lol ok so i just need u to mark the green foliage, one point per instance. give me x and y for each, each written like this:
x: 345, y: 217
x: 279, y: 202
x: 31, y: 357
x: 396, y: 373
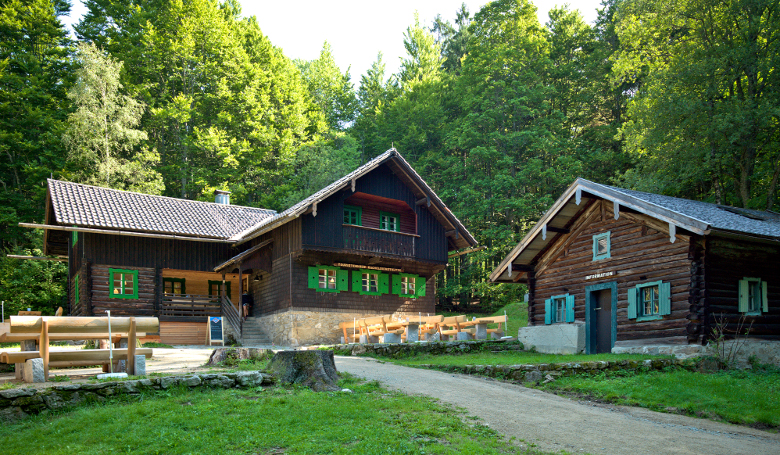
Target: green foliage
x: 40, y: 285
x: 100, y: 135
x: 153, y: 344
x: 34, y: 78
x: 704, y: 122
x: 331, y: 91
x: 743, y: 397
x: 291, y: 420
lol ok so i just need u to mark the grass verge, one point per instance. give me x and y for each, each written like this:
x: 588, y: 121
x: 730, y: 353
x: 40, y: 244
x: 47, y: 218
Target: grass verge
x: 275, y: 420
x: 738, y: 396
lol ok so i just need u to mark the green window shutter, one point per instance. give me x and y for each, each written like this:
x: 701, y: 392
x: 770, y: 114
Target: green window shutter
x: 764, y: 297
x: 357, y: 281
x: 569, y: 308
x: 743, y: 296
x: 664, y: 298
x: 548, y: 311
x: 397, y: 284
x: 419, y: 286
x: 314, y: 278
x: 75, y: 236
x: 632, y: 303
x: 384, y: 280
x: 342, y: 280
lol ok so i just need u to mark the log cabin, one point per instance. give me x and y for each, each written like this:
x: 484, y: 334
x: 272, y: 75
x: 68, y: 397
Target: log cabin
x: 368, y: 244
x: 608, y: 269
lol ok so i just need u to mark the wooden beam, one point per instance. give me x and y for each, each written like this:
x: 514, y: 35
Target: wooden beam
x: 470, y: 250
x: 558, y: 230
x: 127, y: 233
x: 84, y: 324
x: 560, y: 245
x: 424, y: 201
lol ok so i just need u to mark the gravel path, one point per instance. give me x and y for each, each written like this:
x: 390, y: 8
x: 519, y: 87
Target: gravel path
x: 555, y: 423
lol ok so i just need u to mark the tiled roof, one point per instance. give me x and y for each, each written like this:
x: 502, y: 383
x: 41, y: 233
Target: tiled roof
x: 81, y: 205
x: 719, y: 217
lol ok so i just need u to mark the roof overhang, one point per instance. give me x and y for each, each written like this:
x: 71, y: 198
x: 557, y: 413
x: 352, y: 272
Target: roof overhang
x: 572, y: 203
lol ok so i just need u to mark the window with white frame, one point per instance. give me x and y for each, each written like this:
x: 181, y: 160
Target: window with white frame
x: 370, y: 282
x: 327, y: 278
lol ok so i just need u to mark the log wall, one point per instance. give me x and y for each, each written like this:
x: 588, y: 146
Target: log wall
x: 101, y: 300
x: 729, y: 261
x: 183, y: 332
x: 639, y: 254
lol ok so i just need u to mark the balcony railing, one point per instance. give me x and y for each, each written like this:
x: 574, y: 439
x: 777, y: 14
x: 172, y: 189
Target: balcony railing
x: 184, y: 305
x: 379, y: 241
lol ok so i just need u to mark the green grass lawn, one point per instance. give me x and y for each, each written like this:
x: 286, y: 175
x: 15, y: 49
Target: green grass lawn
x: 743, y: 397
x: 512, y: 358
x: 275, y: 420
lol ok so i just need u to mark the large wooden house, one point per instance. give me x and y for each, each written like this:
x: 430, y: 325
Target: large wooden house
x: 609, y: 267
x: 367, y: 244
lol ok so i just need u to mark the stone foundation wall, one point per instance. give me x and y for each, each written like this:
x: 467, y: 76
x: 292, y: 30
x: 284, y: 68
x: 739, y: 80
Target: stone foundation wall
x: 765, y: 351
x: 19, y: 403
x: 436, y: 347
x: 549, y: 371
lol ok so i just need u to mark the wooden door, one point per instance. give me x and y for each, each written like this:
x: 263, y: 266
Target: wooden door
x: 602, y: 309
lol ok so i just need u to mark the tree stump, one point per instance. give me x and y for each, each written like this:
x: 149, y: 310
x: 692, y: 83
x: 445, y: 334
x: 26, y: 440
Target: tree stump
x: 231, y: 356
x: 313, y: 369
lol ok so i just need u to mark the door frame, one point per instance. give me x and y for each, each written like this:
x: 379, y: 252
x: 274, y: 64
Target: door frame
x: 590, y: 321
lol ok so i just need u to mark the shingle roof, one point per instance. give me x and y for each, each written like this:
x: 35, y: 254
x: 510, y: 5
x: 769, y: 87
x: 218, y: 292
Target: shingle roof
x: 718, y: 217
x: 96, y: 207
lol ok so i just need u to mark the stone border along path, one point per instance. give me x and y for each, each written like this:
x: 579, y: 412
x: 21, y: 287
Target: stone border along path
x: 555, y: 423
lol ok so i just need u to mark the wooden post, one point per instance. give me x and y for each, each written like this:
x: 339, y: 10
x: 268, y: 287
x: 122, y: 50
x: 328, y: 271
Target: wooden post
x: 131, y: 341
x: 44, y: 347
x: 240, y: 292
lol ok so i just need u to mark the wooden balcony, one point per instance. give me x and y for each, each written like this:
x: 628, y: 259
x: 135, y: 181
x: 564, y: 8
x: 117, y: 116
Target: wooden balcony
x: 183, y: 306
x: 379, y: 241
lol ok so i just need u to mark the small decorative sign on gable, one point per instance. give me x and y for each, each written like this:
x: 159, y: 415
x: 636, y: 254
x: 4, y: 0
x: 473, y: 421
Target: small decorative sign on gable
x: 599, y: 275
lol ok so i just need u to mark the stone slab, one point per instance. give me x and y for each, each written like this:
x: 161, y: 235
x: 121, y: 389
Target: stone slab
x: 462, y: 336
x: 391, y: 338
x: 33, y: 371
x: 565, y: 338
x: 140, y: 365
x: 481, y: 333
x: 412, y: 333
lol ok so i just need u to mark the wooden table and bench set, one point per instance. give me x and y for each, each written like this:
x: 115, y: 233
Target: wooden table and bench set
x: 367, y: 330
x: 45, y: 329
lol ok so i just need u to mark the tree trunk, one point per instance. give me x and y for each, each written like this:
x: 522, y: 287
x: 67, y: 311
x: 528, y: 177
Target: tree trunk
x: 314, y: 369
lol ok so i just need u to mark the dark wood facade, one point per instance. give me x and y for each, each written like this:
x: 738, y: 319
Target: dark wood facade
x: 702, y: 276
x: 276, y: 272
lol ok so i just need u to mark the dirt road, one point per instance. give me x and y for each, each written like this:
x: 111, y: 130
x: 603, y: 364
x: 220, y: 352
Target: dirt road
x: 555, y: 423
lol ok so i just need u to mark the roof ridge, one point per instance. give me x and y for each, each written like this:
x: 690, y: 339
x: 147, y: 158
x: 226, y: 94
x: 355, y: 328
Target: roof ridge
x: 102, y: 188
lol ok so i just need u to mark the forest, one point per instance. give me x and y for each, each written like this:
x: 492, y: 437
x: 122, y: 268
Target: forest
x: 498, y: 112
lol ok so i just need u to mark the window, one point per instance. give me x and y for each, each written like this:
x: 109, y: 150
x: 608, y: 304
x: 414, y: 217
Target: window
x: 753, y: 298
x: 353, y: 215
x: 389, y: 221
x: 559, y: 308
x: 327, y: 279
x: 601, y: 246
x: 215, y: 288
x: 324, y: 278
x: 370, y: 282
x: 649, y: 301
x: 409, y: 286
x: 123, y: 284
x: 174, y: 286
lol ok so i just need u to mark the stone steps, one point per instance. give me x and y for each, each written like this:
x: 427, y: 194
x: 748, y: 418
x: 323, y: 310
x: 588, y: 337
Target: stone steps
x: 253, y: 335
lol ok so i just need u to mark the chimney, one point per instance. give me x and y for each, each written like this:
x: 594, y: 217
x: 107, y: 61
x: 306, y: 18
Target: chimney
x: 222, y: 197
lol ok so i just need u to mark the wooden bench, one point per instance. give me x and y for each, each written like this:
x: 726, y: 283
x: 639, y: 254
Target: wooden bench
x: 355, y: 336
x: 7, y: 337
x: 500, y: 320
x: 377, y: 326
x: 456, y: 324
x: 71, y: 358
x: 71, y: 327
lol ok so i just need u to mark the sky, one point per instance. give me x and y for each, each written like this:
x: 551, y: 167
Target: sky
x: 357, y: 29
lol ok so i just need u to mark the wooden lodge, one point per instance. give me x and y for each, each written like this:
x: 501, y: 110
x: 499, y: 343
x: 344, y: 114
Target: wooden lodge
x: 367, y: 244
x: 610, y: 267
